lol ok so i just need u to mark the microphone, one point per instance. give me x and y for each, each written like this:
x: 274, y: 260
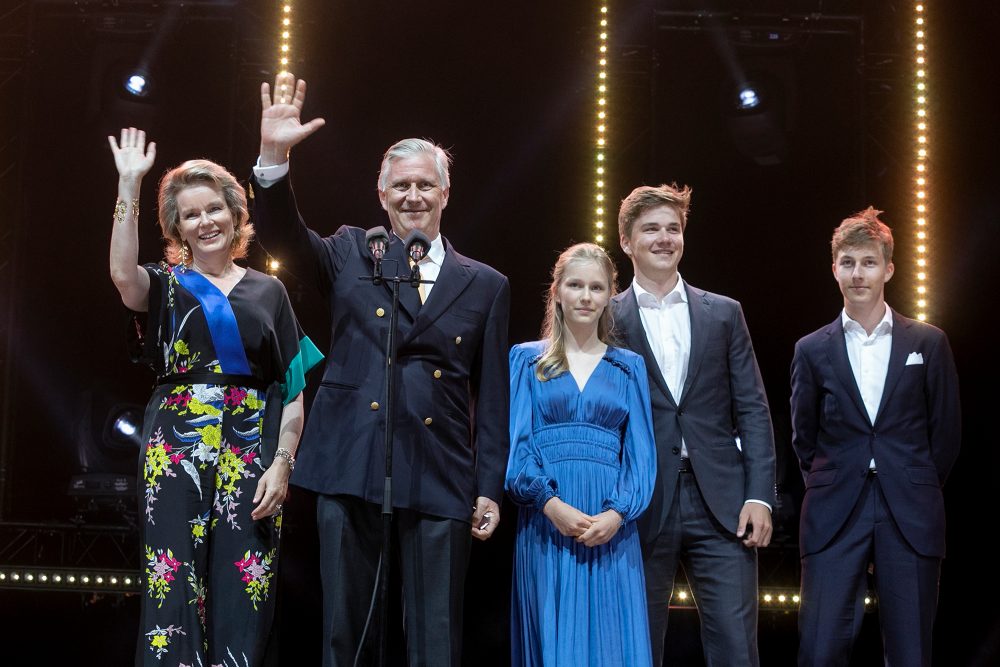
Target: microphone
x: 417, y: 245
x: 377, y: 240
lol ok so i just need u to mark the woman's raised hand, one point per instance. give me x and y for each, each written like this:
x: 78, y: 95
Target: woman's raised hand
x: 133, y: 157
x: 134, y: 160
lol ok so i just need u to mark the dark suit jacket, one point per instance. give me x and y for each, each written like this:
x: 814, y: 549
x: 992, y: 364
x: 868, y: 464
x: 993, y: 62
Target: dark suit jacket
x: 914, y: 440
x: 451, y: 435
x: 723, y: 398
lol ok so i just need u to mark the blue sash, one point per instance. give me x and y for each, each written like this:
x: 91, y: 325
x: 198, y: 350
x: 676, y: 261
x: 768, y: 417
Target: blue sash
x: 221, y: 321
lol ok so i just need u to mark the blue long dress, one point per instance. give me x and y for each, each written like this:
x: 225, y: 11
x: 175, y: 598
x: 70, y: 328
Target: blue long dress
x: 573, y: 604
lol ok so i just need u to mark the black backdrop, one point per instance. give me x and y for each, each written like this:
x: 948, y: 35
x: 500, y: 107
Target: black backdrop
x: 510, y: 90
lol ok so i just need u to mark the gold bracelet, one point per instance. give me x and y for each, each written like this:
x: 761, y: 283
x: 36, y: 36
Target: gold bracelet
x: 121, y: 207
x: 287, y: 455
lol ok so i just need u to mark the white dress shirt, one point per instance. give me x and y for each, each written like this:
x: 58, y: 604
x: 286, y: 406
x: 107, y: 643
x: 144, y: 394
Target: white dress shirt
x: 869, y: 357
x: 430, y: 265
x: 667, y: 323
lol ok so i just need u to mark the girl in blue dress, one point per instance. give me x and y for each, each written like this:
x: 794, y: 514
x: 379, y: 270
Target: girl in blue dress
x: 582, y: 466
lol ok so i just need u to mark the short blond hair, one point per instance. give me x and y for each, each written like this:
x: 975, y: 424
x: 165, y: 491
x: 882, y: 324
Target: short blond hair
x: 861, y: 229
x: 646, y: 197
x: 202, y: 172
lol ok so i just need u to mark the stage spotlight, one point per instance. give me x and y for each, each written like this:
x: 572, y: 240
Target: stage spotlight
x: 755, y: 109
x: 108, y: 446
x: 136, y: 84
x: 747, y: 98
x: 131, y: 81
x: 124, y: 426
x: 121, y: 428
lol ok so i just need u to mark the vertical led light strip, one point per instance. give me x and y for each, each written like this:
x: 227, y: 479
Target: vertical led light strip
x: 284, y: 94
x: 285, y: 52
x: 601, y: 143
x: 920, y: 169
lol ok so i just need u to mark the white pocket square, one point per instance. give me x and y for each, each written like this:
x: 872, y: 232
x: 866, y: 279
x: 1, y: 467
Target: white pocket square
x: 915, y: 359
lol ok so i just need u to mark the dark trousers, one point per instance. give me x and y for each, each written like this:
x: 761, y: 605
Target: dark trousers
x: 433, y: 555
x: 834, y: 583
x: 722, y: 574
x: 209, y: 590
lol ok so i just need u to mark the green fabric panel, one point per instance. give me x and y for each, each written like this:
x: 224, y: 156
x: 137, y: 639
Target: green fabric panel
x: 295, y: 377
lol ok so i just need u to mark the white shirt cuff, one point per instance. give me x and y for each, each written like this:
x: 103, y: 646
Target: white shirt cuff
x: 268, y: 176
x: 760, y: 502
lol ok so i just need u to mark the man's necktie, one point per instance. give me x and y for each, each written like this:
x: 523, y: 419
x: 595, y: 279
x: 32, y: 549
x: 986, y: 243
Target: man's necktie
x: 421, y: 288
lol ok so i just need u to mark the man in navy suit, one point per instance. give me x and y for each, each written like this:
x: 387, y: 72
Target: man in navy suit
x: 450, y: 420
x: 714, y: 490
x: 876, y: 427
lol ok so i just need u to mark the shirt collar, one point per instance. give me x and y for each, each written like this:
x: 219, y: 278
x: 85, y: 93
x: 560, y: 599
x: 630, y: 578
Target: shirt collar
x: 436, y: 253
x: 648, y: 300
x: 883, y: 327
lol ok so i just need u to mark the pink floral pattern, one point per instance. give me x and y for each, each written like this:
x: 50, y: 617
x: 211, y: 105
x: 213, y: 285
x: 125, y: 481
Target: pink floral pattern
x: 257, y: 573
x: 161, y: 566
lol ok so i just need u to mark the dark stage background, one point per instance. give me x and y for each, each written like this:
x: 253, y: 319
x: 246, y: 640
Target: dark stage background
x: 510, y: 89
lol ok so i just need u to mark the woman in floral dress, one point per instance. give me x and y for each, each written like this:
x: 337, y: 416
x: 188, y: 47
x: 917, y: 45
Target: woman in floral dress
x: 223, y: 424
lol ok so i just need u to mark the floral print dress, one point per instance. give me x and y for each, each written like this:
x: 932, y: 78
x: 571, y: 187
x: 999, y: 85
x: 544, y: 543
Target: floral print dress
x: 225, y: 368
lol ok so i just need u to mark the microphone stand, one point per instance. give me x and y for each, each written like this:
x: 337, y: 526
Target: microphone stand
x: 382, y: 575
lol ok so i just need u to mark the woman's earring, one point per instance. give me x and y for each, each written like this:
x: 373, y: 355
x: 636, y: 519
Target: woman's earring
x: 185, y: 255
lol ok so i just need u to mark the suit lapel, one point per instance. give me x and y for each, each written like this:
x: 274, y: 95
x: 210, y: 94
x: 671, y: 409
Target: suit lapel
x: 699, y: 308
x: 454, y: 277
x: 630, y: 324
x: 902, y: 342
x: 836, y: 350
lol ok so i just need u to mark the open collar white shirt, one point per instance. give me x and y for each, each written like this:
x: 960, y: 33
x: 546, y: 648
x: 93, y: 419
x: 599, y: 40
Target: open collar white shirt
x: 667, y: 323
x: 869, y: 357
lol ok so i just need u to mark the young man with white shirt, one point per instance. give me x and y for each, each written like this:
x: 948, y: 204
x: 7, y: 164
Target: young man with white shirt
x: 876, y: 428
x: 714, y: 490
